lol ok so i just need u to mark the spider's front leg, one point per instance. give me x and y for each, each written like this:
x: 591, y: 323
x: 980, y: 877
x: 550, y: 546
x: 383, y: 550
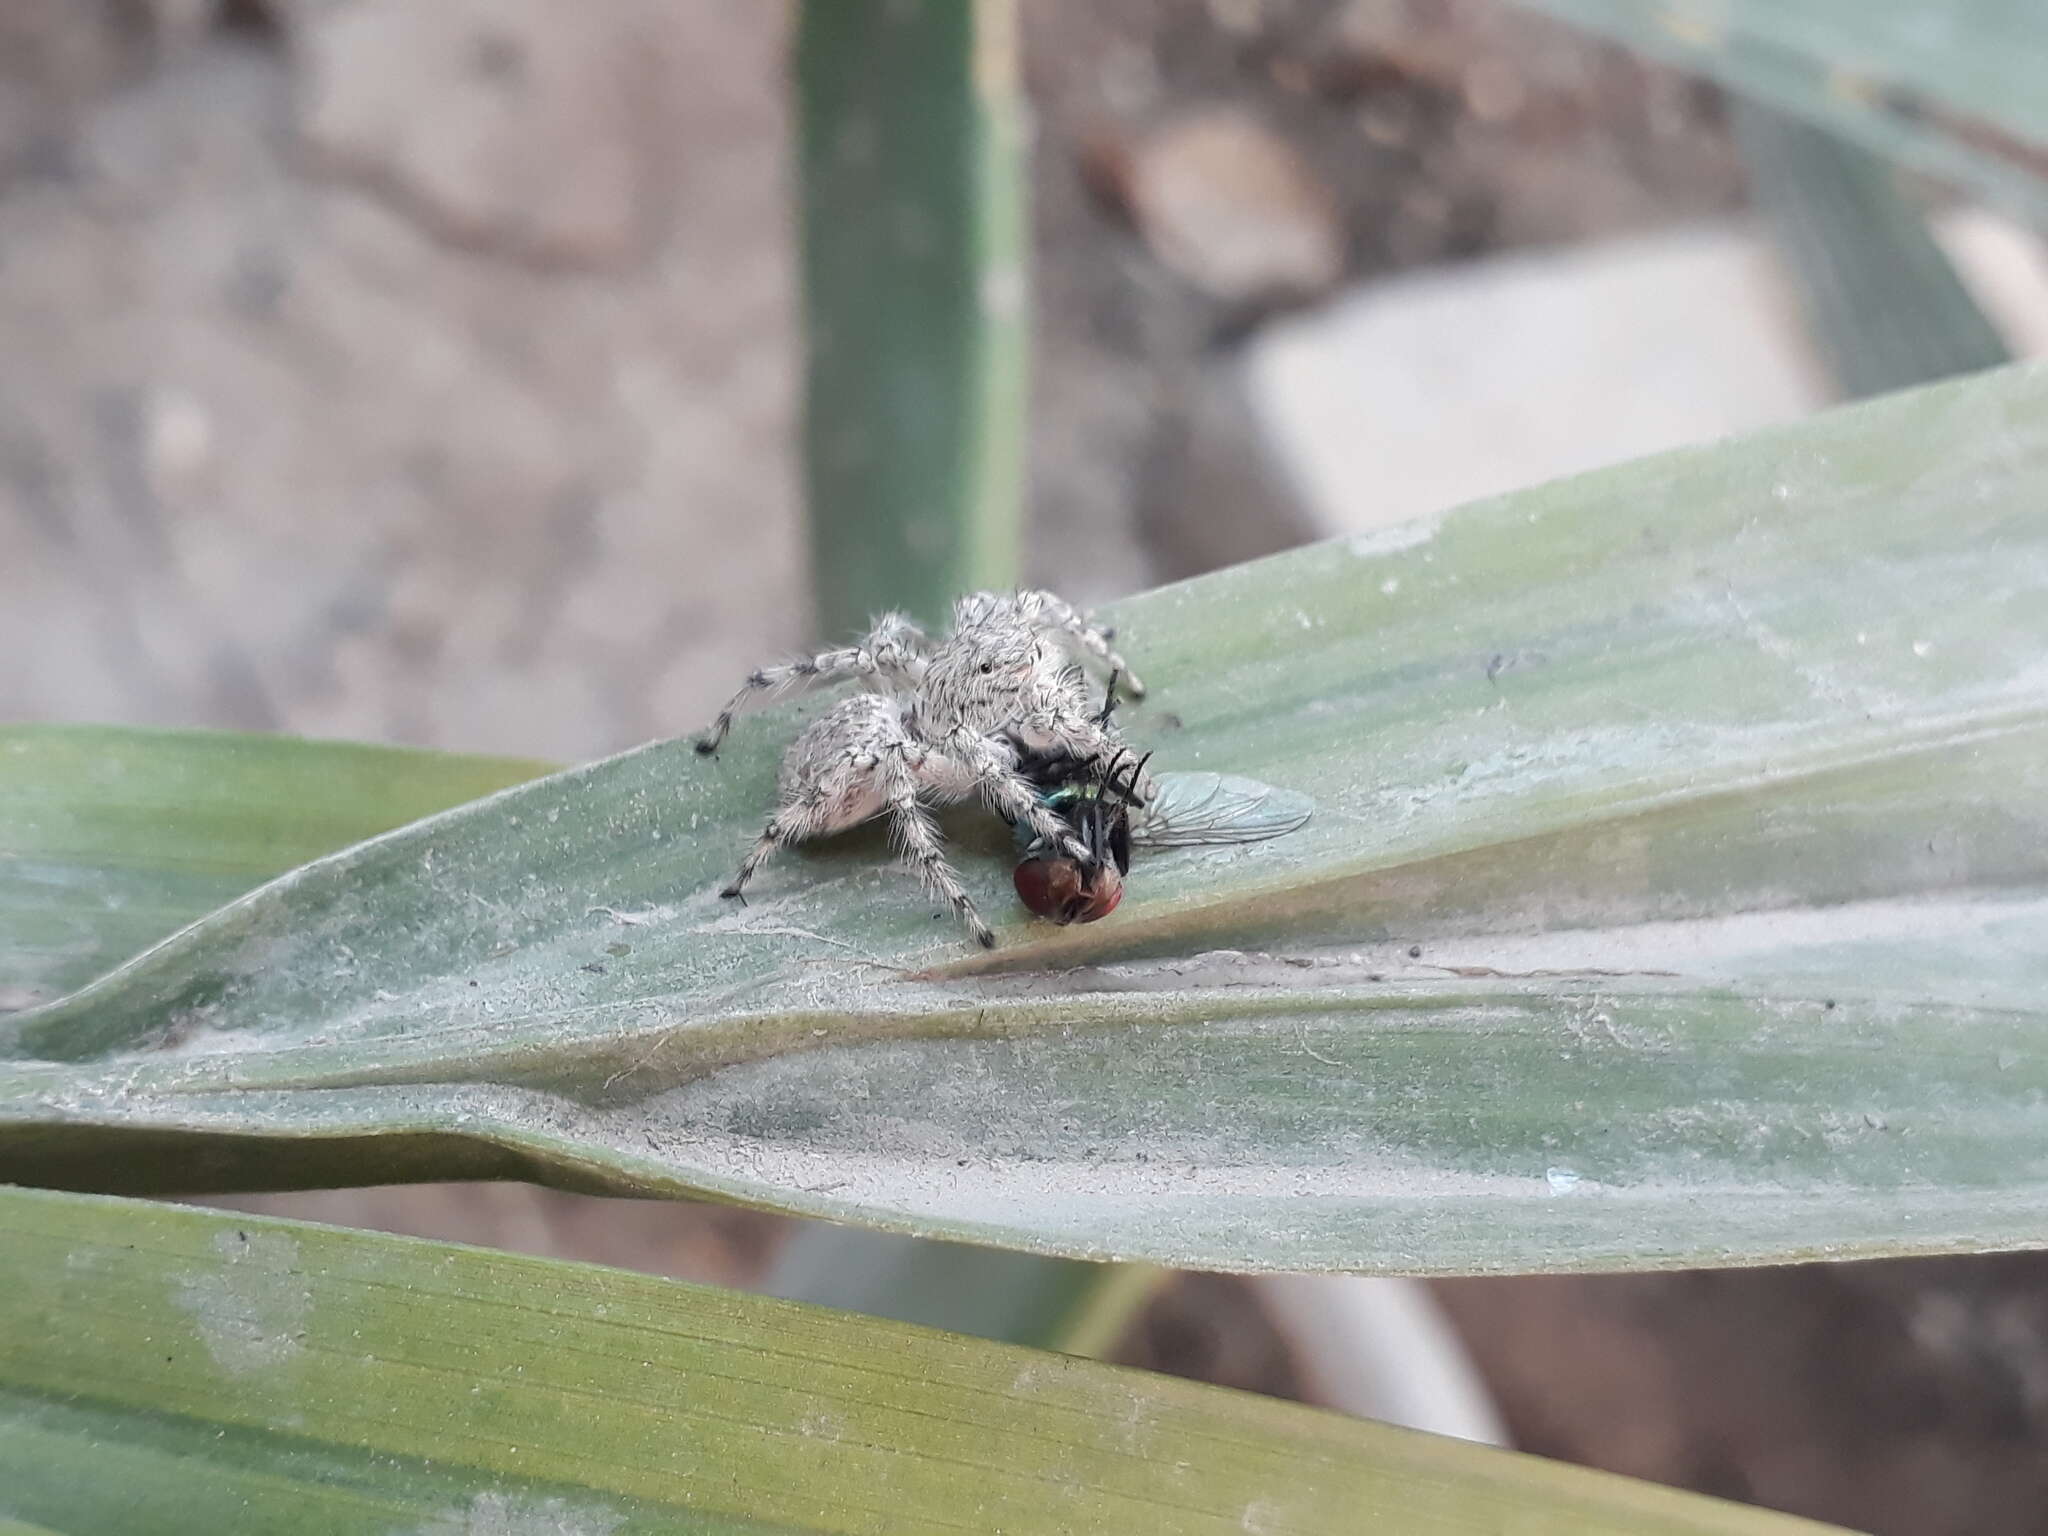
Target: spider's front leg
x: 1050, y: 611
x: 1084, y: 739
x: 991, y: 769
x: 904, y: 771
x: 894, y: 650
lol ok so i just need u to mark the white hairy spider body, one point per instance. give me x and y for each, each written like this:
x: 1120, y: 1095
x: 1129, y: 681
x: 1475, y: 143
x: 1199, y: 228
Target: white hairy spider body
x: 937, y: 722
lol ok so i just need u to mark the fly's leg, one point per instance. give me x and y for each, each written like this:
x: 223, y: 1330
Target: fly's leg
x: 916, y: 837
x: 894, y: 649
x: 1048, y: 610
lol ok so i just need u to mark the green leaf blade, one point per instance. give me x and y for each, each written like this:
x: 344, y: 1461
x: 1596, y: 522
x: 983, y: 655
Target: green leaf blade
x: 355, y: 1382
x: 911, y: 124
x: 1950, y: 88
x: 1882, y: 302
x: 113, y: 838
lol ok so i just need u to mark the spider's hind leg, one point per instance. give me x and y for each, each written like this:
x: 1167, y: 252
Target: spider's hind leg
x: 796, y: 822
x: 829, y: 779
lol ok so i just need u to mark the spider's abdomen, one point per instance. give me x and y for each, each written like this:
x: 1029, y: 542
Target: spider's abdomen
x: 831, y: 765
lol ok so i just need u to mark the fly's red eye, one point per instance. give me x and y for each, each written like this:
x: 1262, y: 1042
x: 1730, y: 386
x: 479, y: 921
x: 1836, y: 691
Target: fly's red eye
x: 1060, y: 891
x: 1109, y: 890
x: 1036, y: 879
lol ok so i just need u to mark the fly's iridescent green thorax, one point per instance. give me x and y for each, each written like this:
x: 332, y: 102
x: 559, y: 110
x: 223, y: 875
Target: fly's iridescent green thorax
x: 1096, y: 801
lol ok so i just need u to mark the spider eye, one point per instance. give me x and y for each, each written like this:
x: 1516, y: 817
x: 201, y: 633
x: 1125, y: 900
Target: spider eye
x: 987, y: 667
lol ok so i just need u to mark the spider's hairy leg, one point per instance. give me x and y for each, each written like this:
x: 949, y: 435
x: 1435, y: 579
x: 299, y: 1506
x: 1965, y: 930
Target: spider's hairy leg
x: 1048, y: 610
x: 897, y: 645
x: 893, y: 650
x: 1086, y: 739
x: 916, y: 837
x: 1103, y: 716
x: 796, y: 822
x: 993, y: 772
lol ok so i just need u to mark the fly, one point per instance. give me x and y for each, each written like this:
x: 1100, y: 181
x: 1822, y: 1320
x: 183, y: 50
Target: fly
x: 1110, y: 817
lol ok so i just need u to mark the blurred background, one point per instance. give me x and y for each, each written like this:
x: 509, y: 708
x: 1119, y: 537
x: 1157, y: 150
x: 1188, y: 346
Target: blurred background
x: 431, y: 374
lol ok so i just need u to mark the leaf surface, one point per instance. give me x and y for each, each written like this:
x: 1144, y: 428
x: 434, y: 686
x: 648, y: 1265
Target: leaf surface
x: 184, y: 1371
x: 1676, y: 893
x: 1881, y: 300
x: 112, y: 838
x: 1950, y: 86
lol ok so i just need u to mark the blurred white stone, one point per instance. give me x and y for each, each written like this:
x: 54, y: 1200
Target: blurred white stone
x: 178, y: 439
x: 1418, y: 394
x: 1438, y: 388
x: 2005, y: 265
x: 1379, y: 1347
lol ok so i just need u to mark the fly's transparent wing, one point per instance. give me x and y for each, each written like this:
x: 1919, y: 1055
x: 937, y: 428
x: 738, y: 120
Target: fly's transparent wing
x: 1192, y: 809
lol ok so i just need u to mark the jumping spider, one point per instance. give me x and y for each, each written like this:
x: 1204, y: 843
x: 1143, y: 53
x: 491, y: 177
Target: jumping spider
x: 937, y: 723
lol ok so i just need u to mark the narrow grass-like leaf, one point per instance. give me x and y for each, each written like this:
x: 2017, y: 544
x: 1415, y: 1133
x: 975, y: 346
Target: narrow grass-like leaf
x: 914, y: 244
x: 1019, y: 1298
x: 111, y: 838
x: 1884, y: 304
x: 175, y: 1370
x: 1950, y: 86
x: 915, y: 250
x: 1677, y: 893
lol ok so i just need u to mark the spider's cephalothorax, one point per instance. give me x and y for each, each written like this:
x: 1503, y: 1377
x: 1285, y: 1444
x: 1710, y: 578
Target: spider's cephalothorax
x: 938, y: 722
